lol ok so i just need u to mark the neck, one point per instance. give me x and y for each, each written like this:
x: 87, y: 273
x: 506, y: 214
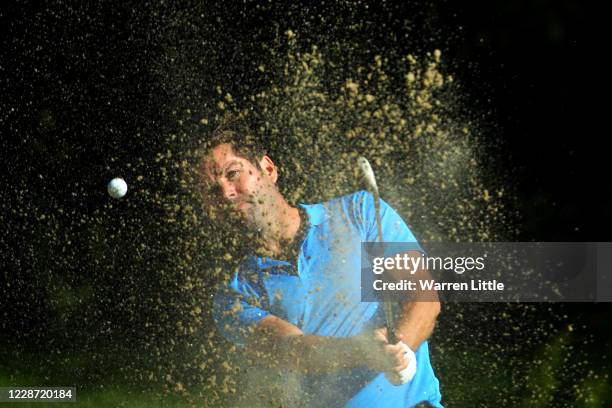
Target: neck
x: 283, y: 230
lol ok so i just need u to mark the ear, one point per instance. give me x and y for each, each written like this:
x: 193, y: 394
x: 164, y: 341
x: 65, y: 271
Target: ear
x: 269, y: 168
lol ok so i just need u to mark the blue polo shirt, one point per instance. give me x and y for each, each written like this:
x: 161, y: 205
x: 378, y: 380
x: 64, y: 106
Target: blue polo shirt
x: 323, y: 297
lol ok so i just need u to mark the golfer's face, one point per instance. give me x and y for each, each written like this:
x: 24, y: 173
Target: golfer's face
x: 233, y: 182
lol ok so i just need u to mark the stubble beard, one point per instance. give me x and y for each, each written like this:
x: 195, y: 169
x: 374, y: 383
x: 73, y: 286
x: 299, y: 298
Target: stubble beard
x: 260, y: 217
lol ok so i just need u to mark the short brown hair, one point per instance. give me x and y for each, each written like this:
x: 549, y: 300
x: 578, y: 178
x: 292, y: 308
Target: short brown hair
x: 237, y: 131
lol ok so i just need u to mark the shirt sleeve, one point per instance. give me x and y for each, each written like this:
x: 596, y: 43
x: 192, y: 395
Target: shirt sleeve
x: 237, y: 308
x: 394, y: 229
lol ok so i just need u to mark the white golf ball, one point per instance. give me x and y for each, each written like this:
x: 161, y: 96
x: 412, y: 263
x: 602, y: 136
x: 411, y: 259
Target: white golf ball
x: 117, y: 187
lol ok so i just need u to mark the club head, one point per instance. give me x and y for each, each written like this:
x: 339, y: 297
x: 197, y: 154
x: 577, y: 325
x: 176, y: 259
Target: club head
x: 367, y: 174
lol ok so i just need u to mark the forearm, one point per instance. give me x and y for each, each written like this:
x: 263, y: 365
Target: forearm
x: 418, y: 315
x: 276, y: 343
x: 416, y: 322
x: 313, y: 354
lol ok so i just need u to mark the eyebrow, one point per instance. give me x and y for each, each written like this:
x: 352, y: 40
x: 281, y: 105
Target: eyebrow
x: 231, y: 164
x: 217, y: 173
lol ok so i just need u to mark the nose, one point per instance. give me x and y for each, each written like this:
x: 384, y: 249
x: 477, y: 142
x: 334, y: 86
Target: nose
x: 228, y: 190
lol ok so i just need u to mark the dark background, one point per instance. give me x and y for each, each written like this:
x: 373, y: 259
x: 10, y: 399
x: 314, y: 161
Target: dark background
x: 84, y: 71
x: 82, y: 94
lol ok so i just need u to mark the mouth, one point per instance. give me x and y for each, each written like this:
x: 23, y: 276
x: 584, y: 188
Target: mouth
x: 243, y: 204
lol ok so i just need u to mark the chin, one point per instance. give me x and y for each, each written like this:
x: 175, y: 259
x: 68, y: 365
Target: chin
x: 243, y: 207
x: 253, y: 226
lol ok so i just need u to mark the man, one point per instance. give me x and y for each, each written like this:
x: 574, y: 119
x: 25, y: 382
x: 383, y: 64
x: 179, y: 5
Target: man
x: 294, y: 307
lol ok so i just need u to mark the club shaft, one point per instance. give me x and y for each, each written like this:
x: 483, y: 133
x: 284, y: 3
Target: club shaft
x: 388, y: 307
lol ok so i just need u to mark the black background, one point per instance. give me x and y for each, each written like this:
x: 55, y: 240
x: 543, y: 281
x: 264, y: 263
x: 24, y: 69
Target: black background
x: 529, y: 67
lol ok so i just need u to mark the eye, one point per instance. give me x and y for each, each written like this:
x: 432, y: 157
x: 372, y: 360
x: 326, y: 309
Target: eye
x: 232, y: 174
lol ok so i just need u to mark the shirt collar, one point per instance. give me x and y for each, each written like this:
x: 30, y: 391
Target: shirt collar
x: 316, y: 213
x: 316, y: 216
